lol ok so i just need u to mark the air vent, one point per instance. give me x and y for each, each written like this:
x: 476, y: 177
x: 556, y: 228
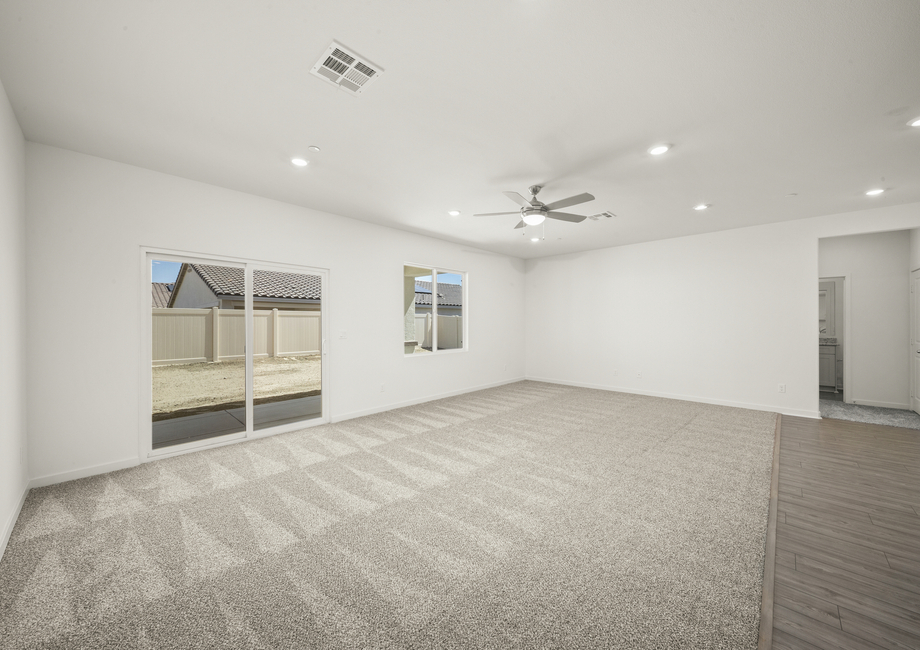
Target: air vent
x: 602, y: 215
x: 340, y: 66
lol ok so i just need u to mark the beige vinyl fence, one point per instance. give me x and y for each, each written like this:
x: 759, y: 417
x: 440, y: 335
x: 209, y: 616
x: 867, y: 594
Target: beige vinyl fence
x: 450, y: 331
x: 198, y: 335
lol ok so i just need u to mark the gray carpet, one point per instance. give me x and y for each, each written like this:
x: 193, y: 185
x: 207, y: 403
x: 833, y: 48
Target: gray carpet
x: 869, y: 414
x: 527, y: 516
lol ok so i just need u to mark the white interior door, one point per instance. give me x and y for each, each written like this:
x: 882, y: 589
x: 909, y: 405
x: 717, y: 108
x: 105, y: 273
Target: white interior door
x: 915, y: 341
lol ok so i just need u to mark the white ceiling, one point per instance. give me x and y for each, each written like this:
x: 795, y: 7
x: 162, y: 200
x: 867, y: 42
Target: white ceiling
x: 761, y: 99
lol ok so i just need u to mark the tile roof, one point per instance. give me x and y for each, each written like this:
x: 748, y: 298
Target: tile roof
x: 448, y: 294
x: 228, y: 281
x: 161, y: 291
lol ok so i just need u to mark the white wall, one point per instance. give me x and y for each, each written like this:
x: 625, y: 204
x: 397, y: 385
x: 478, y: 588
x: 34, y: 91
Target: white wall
x: 914, y: 249
x: 721, y: 317
x: 13, y: 479
x: 88, y: 218
x: 879, y: 340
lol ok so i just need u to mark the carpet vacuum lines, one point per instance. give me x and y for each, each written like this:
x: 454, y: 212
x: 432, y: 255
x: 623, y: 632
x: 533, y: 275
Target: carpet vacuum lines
x: 530, y: 515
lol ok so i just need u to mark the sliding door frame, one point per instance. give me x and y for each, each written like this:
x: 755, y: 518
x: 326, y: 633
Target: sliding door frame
x: 146, y: 452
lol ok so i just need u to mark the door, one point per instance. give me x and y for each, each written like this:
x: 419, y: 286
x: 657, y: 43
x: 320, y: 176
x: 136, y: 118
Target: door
x: 915, y: 341
x: 236, y: 350
x: 826, y: 309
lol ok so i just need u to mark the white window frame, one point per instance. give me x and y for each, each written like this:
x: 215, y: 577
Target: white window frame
x: 435, y: 270
x: 145, y: 425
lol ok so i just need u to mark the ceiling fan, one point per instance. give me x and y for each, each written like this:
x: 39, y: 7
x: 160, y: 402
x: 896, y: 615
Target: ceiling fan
x: 533, y: 212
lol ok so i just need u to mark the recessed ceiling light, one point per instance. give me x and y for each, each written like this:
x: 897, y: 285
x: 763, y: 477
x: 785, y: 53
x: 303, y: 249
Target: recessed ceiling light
x: 702, y: 206
x: 659, y: 149
x: 534, y: 239
x: 915, y: 122
x: 454, y: 213
x: 313, y: 147
x: 299, y: 162
x: 874, y: 192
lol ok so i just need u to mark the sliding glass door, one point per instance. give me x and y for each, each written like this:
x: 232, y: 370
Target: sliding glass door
x: 235, y: 348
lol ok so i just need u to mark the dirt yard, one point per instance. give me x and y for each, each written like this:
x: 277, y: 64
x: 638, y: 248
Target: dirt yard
x: 202, y: 385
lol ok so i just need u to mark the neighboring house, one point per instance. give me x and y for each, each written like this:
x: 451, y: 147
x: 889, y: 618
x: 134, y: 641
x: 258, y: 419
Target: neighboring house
x: 450, y: 298
x: 160, y: 293
x: 206, y: 285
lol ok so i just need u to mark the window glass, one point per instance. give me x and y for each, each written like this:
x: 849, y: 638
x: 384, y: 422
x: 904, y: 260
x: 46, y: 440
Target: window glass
x: 287, y: 346
x: 198, y: 364
x: 449, y: 298
x: 432, y: 309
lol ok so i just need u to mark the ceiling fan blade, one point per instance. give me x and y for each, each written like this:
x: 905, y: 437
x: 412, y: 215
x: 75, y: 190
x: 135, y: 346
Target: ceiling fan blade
x: 520, y: 200
x: 572, y: 200
x: 565, y: 216
x: 520, y: 225
x: 495, y: 214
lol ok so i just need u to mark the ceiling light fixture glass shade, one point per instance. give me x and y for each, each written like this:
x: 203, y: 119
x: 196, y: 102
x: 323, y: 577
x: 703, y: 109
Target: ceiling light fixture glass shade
x: 454, y: 213
x: 298, y: 162
x: 915, y: 122
x: 533, y: 217
x: 701, y: 206
x: 659, y: 149
x: 874, y: 192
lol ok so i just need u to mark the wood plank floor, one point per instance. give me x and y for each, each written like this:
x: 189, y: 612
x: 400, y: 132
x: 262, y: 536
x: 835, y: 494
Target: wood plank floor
x: 847, y: 536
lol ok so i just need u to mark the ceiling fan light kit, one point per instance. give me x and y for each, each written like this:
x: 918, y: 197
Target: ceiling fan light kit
x: 533, y: 217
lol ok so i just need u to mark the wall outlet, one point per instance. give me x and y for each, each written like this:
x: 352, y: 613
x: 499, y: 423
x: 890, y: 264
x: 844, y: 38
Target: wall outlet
x: 383, y: 388
x: 506, y: 367
x: 638, y: 375
x: 615, y: 372
x: 343, y: 334
x: 781, y: 388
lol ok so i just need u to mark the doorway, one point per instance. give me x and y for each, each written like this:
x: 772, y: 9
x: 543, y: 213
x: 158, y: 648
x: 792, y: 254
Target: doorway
x: 877, y: 357
x: 831, y: 337
x: 236, y: 350
x: 915, y: 341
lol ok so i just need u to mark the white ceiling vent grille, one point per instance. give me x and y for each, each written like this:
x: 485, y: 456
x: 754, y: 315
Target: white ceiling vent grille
x: 602, y: 215
x: 340, y: 66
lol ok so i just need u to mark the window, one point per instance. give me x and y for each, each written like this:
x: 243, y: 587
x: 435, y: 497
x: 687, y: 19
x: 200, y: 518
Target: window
x: 433, y: 309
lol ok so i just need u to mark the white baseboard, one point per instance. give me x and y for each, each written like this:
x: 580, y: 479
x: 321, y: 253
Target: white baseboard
x: 11, y: 522
x: 887, y: 405
x: 422, y: 400
x: 803, y: 413
x: 52, y: 479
